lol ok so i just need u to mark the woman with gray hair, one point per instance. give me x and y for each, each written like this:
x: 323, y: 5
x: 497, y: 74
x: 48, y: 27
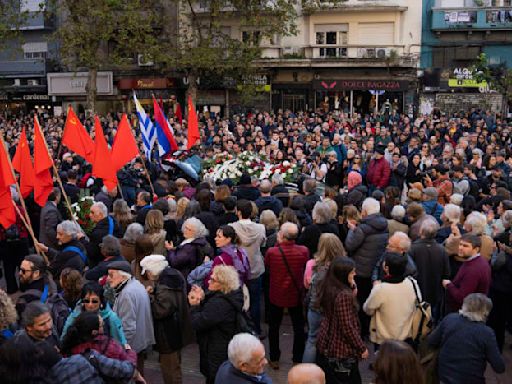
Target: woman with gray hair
x: 396, y: 223
x: 133, y: 231
x: 466, y: 344
x: 192, y: 250
x: 322, y: 223
x: 71, y: 252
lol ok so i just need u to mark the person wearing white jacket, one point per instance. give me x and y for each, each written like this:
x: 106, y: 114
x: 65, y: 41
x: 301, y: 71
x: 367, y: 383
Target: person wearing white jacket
x: 391, y: 304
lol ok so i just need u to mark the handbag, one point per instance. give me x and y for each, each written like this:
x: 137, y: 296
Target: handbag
x: 422, y: 318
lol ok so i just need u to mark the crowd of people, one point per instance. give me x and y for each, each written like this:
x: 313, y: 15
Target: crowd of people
x: 388, y: 216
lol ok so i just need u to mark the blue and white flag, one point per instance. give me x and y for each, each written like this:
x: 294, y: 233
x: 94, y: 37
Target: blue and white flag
x: 147, y: 128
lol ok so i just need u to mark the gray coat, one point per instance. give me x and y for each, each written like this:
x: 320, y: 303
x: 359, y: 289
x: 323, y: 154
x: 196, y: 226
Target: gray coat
x: 49, y: 219
x: 366, y: 243
x: 133, y: 307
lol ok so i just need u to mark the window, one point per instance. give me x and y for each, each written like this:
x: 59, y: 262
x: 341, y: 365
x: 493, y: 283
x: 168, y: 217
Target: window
x: 32, y: 5
x: 35, y: 50
x: 329, y: 34
x: 251, y: 37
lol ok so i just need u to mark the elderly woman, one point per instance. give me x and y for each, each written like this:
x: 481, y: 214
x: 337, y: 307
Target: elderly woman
x: 71, y: 252
x: 322, y: 217
x: 92, y: 300
x: 7, y: 317
x: 192, y: 250
x: 466, y: 344
x: 154, y: 227
x: 396, y: 223
x: 133, y: 231
x: 214, y: 317
x: 171, y: 319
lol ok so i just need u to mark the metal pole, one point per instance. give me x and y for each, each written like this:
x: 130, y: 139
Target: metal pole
x: 351, y: 103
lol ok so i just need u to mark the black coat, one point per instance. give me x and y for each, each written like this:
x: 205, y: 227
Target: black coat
x: 215, y: 324
x: 66, y: 259
x: 171, y: 317
x: 311, y: 235
x: 211, y: 223
x: 95, y: 238
x: 246, y: 192
x: 334, y: 175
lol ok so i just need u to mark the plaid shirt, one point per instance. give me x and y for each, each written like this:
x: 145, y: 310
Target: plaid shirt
x: 340, y: 332
x: 79, y: 369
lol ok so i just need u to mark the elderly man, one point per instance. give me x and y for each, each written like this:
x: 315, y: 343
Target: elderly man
x: 133, y: 307
x: 432, y: 263
x: 105, y: 225
x: 49, y: 219
x: 365, y: 243
x: 306, y: 374
x: 398, y: 243
x: 266, y: 201
x: 286, y: 263
x: 111, y: 251
x: 71, y: 253
x: 246, y: 362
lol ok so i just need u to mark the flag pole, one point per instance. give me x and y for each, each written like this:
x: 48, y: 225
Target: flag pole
x: 56, y: 172
x: 25, y: 218
x: 147, y: 175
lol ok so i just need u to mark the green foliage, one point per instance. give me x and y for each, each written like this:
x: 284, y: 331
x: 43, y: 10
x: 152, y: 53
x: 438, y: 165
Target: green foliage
x: 498, y: 77
x: 12, y: 20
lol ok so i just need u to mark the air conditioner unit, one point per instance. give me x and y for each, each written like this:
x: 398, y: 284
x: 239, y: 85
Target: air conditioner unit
x: 144, y: 60
x: 17, y: 82
x: 32, y: 82
x: 367, y: 53
x: 382, y: 53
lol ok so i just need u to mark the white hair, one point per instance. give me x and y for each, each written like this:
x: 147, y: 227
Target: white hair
x: 199, y: 228
x: 370, y: 206
x: 69, y: 228
x: 429, y: 228
x: 124, y: 275
x: 452, y: 213
x: 476, y: 307
x: 133, y: 231
x: 277, y: 179
x: 456, y: 199
x: 241, y: 348
x: 102, y: 207
x: 398, y: 212
x: 321, y: 213
x: 478, y: 221
x: 404, y: 242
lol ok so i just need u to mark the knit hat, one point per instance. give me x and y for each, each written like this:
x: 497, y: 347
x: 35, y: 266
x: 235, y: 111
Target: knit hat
x: 354, y: 179
x: 154, y: 264
x: 380, y: 149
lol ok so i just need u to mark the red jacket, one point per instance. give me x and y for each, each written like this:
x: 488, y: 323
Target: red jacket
x: 378, y: 173
x: 107, y: 347
x: 283, y: 291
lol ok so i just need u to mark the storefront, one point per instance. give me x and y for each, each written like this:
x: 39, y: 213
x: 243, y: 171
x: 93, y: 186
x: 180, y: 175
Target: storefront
x: 21, y: 100
x: 70, y: 88
x: 361, y: 96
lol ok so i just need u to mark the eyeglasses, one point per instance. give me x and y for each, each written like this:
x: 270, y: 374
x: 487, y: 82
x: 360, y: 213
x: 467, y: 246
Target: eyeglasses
x: 90, y: 301
x: 23, y: 271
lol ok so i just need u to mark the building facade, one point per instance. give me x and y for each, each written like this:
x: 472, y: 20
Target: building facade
x: 454, y: 34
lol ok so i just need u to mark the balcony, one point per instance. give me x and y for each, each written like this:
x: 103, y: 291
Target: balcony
x: 467, y: 19
x: 38, y: 21
x: 321, y: 55
x: 23, y: 68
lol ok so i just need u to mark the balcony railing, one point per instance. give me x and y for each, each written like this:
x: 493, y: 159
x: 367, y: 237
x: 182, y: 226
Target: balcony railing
x: 471, y: 19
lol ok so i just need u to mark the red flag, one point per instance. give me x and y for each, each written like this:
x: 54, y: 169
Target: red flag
x: 43, y: 182
x: 102, y: 166
x: 161, y: 120
x: 193, y: 125
x: 76, y: 138
x: 179, y: 114
x: 125, y: 147
x: 7, y: 212
x: 22, y: 162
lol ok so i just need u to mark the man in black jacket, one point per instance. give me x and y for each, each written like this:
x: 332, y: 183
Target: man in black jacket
x: 266, y: 201
x: 105, y: 225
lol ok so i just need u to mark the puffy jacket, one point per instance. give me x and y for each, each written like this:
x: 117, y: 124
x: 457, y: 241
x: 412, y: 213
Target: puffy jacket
x: 378, y: 173
x: 366, y: 243
x: 188, y: 256
x: 214, y: 321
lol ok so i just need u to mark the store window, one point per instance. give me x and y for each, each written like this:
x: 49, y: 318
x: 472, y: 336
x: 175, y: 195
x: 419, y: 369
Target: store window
x: 335, y: 35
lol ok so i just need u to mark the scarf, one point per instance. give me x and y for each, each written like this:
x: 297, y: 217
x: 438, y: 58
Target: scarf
x: 238, y: 261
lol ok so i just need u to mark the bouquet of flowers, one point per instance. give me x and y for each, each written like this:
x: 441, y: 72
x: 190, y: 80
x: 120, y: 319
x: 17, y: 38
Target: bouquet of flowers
x: 81, y: 211
x: 225, y: 166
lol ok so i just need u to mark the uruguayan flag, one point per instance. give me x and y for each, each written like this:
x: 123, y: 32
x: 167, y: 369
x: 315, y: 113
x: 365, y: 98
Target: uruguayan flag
x: 147, y: 129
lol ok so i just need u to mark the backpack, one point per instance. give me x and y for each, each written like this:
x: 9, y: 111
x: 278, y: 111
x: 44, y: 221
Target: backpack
x: 244, y: 323
x: 422, y: 318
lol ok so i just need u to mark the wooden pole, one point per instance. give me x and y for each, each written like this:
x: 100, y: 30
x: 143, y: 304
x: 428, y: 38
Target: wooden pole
x: 31, y: 232
x: 59, y: 181
x: 147, y: 175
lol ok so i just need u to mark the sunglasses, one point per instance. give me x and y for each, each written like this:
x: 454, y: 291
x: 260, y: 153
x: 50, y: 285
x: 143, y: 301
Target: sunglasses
x: 91, y: 301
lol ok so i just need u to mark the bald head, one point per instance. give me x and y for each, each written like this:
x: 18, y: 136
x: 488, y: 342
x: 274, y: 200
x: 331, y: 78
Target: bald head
x: 306, y: 374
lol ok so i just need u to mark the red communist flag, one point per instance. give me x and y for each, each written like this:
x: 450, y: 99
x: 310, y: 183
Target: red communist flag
x: 193, y: 125
x: 102, y: 165
x: 22, y: 162
x: 125, y: 147
x: 76, y: 138
x: 7, y: 212
x: 43, y: 182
